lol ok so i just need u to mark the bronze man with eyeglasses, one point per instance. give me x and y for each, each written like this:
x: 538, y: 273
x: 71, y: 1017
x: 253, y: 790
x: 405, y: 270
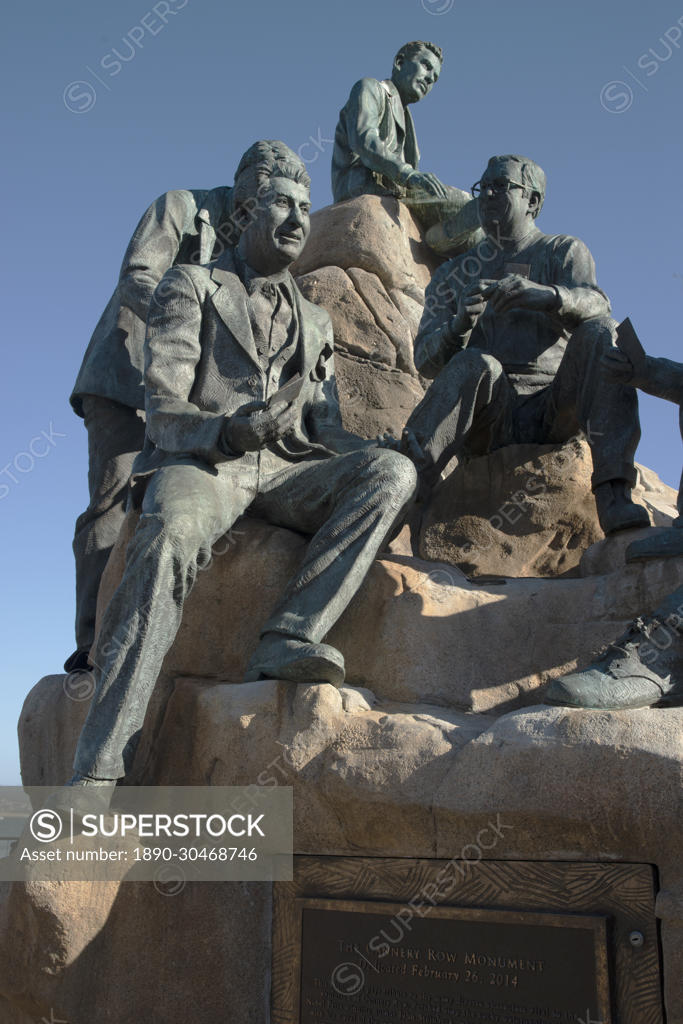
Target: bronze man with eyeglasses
x: 512, y: 334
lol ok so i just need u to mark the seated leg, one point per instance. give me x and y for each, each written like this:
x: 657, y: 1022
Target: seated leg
x: 584, y: 392
x: 349, y: 503
x: 115, y: 435
x: 185, y: 510
x: 471, y: 392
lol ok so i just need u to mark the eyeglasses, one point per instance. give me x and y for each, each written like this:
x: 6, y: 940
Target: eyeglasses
x: 495, y: 188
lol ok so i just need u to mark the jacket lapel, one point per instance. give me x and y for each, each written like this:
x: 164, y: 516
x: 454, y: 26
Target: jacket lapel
x: 411, y: 154
x: 308, y: 335
x: 398, y: 111
x: 230, y: 303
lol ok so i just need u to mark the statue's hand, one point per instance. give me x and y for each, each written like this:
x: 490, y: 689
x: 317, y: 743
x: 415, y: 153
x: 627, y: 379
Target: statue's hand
x: 471, y: 305
x: 516, y: 292
x: 387, y: 440
x: 256, y: 425
x: 411, y: 447
x: 429, y: 183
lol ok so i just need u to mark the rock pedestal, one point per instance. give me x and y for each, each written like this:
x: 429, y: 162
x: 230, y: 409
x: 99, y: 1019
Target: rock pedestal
x: 527, y: 510
x: 439, y: 733
x: 439, y: 737
x: 366, y: 262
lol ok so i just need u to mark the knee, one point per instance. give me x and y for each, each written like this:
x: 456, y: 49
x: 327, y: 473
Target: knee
x: 599, y: 332
x: 396, y: 474
x: 472, y: 365
x: 176, y: 535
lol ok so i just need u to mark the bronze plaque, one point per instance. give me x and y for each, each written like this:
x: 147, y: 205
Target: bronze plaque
x: 372, y: 963
x: 551, y: 899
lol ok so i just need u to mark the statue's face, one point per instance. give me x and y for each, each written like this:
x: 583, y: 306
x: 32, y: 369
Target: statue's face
x: 278, y: 228
x: 504, y: 208
x: 414, y: 76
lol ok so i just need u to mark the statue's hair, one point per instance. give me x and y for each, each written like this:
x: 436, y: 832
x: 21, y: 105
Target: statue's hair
x: 530, y: 175
x: 264, y: 160
x: 410, y: 49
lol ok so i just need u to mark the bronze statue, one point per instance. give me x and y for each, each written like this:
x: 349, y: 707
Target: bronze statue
x: 512, y: 335
x: 375, y: 148
x: 242, y: 416
x: 644, y: 667
x: 182, y: 226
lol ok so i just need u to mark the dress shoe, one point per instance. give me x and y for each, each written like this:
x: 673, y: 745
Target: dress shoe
x: 297, y: 661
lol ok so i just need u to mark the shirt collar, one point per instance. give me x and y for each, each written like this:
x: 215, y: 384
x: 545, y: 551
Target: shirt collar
x: 253, y: 281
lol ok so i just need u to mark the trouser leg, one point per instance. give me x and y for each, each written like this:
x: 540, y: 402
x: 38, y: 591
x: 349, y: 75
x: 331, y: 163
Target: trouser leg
x: 350, y: 503
x: 185, y: 510
x: 471, y: 396
x: 115, y: 435
x: 586, y: 394
x: 679, y: 500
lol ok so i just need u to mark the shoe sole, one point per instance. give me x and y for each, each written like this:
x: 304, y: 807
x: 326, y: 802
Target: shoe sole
x: 309, y: 669
x: 601, y: 707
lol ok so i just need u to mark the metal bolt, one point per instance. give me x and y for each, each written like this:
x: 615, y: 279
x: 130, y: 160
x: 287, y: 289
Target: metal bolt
x: 637, y: 939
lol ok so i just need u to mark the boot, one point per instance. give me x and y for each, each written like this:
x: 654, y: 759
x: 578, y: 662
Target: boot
x: 643, y: 668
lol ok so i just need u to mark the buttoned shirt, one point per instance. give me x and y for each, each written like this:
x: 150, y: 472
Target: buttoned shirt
x: 272, y: 312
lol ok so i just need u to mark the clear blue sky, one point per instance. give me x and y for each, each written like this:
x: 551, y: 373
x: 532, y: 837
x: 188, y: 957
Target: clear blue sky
x: 188, y: 97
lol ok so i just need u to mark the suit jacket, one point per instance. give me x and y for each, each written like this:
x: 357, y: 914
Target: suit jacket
x: 375, y: 147
x: 179, y: 227
x: 202, y: 364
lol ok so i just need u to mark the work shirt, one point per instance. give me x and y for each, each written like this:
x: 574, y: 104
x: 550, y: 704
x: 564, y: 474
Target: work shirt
x: 528, y: 343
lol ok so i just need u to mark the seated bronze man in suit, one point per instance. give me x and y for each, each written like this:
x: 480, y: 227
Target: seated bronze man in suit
x: 513, y: 333
x: 375, y: 148
x: 242, y: 414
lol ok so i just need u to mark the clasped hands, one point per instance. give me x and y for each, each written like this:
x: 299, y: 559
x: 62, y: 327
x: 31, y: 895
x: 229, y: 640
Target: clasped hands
x: 256, y: 425
x: 512, y: 292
